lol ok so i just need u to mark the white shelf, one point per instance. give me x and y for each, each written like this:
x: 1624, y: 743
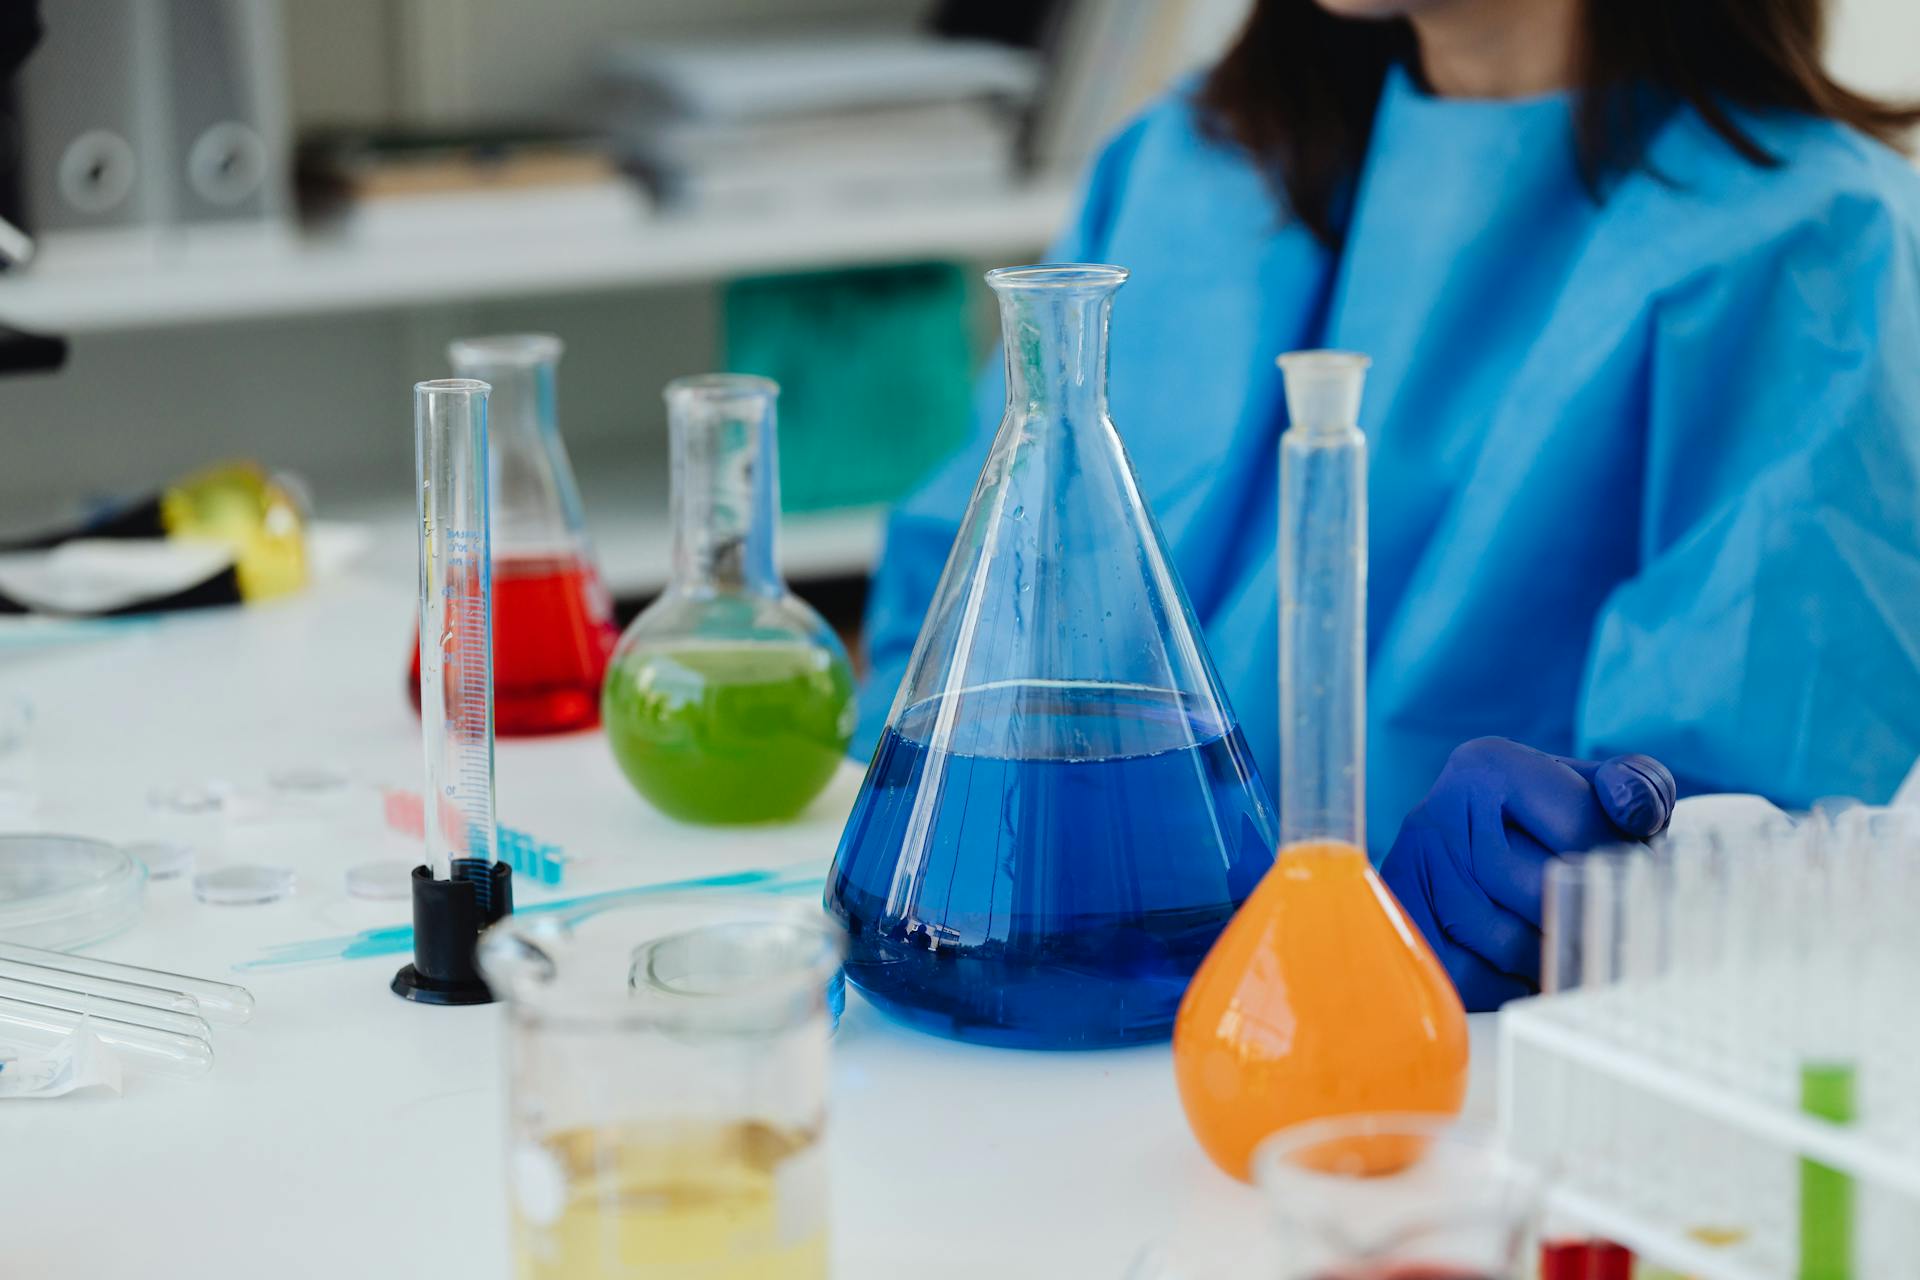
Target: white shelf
x: 251, y: 276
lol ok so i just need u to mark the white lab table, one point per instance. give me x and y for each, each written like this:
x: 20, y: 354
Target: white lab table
x: 344, y: 1132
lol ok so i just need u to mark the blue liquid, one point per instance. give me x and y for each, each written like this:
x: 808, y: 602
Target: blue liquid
x: 1058, y: 900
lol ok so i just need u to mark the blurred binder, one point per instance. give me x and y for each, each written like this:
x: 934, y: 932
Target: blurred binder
x: 875, y: 370
x: 140, y: 115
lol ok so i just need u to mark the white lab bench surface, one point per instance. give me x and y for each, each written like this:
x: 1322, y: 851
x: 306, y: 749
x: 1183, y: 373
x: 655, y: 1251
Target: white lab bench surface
x: 346, y: 1132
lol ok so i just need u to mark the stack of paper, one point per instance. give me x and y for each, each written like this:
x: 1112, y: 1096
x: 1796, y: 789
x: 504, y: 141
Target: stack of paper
x: 820, y: 119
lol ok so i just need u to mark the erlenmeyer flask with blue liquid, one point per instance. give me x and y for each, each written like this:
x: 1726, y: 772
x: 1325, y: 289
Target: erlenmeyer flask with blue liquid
x: 1062, y: 813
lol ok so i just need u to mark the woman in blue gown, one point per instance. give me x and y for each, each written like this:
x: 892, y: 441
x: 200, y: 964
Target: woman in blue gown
x: 1642, y: 290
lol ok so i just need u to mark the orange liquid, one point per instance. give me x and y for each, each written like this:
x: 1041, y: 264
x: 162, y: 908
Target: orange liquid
x: 1319, y: 999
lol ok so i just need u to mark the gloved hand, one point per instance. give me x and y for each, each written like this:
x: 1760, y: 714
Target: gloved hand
x: 1469, y: 862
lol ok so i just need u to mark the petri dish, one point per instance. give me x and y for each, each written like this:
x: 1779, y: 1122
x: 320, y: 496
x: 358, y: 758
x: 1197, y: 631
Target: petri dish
x: 163, y: 859
x: 308, y: 780
x: 383, y: 881
x: 191, y: 799
x: 19, y: 778
x: 61, y: 891
x: 244, y: 885
x: 16, y: 723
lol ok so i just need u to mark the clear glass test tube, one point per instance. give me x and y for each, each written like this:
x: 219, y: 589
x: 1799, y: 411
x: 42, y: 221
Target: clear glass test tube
x: 104, y: 1007
x: 1600, y: 931
x: 218, y: 1001
x: 1894, y: 1099
x: 1607, y: 1109
x: 456, y: 629
x: 1563, y: 926
x: 1644, y: 950
x: 169, y: 1053
x: 131, y: 992
x: 1697, y: 922
x: 1752, y: 889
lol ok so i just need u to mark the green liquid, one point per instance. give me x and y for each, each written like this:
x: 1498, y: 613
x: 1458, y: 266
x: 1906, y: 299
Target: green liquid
x: 1826, y: 1194
x: 729, y: 732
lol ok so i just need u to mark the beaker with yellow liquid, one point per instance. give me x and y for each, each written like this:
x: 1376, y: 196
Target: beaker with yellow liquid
x: 668, y: 1079
x: 718, y: 1201
x: 1320, y: 998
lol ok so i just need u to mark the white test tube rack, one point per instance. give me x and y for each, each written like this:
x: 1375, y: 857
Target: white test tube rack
x: 1692, y: 1159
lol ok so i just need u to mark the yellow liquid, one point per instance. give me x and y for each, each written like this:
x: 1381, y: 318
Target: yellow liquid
x: 740, y: 1202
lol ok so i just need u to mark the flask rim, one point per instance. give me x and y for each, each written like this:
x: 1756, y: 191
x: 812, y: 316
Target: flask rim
x: 596, y: 968
x: 452, y: 387
x: 1059, y: 275
x: 515, y: 349
x: 720, y: 386
x: 1329, y: 361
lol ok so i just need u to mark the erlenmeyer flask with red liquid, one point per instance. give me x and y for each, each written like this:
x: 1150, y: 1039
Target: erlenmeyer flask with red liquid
x: 1320, y: 999
x: 553, y: 623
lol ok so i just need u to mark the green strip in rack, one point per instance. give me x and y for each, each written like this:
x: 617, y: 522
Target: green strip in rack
x: 1826, y: 1194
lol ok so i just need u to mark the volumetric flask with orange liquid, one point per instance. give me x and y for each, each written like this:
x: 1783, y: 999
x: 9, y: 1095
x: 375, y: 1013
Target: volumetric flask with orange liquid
x: 1320, y: 998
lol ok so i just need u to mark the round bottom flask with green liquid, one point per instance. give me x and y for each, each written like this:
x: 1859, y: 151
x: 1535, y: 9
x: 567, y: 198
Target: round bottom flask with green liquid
x: 729, y: 700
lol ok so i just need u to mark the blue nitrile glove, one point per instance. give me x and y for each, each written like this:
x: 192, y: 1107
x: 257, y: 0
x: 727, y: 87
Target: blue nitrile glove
x: 1469, y: 861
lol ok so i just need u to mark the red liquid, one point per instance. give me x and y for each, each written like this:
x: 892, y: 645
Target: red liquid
x: 1585, y: 1260
x: 552, y: 636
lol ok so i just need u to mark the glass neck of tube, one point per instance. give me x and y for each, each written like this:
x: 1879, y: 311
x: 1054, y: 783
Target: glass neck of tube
x: 522, y: 404
x: 726, y: 496
x: 522, y: 370
x: 1056, y: 347
x: 1323, y: 602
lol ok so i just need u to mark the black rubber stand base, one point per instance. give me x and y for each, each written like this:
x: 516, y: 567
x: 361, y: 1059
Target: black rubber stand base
x: 448, y: 917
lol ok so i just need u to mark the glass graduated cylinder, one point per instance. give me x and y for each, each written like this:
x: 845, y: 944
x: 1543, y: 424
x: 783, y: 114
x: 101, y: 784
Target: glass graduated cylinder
x: 455, y: 626
x: 729, y: 700
x: 1061, y: 900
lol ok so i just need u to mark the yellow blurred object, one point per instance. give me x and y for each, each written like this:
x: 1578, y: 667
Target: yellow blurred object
x: 257, y: 515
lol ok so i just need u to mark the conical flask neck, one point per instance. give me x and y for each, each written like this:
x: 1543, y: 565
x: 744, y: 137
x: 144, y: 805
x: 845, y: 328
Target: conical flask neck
x: 725, y: 484
x: 536, y: 507
x: 522, y: 370
x: 1056, y: 342
x: 1059, y: 578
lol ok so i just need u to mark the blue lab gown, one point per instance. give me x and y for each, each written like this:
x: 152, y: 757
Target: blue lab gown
x: 1643, y: 471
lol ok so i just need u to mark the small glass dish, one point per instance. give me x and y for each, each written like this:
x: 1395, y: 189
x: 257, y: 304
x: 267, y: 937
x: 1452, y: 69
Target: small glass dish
x: 61, y: 892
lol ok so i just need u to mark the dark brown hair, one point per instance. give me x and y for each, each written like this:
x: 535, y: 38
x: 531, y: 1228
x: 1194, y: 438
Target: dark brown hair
x: 1297, y: 89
